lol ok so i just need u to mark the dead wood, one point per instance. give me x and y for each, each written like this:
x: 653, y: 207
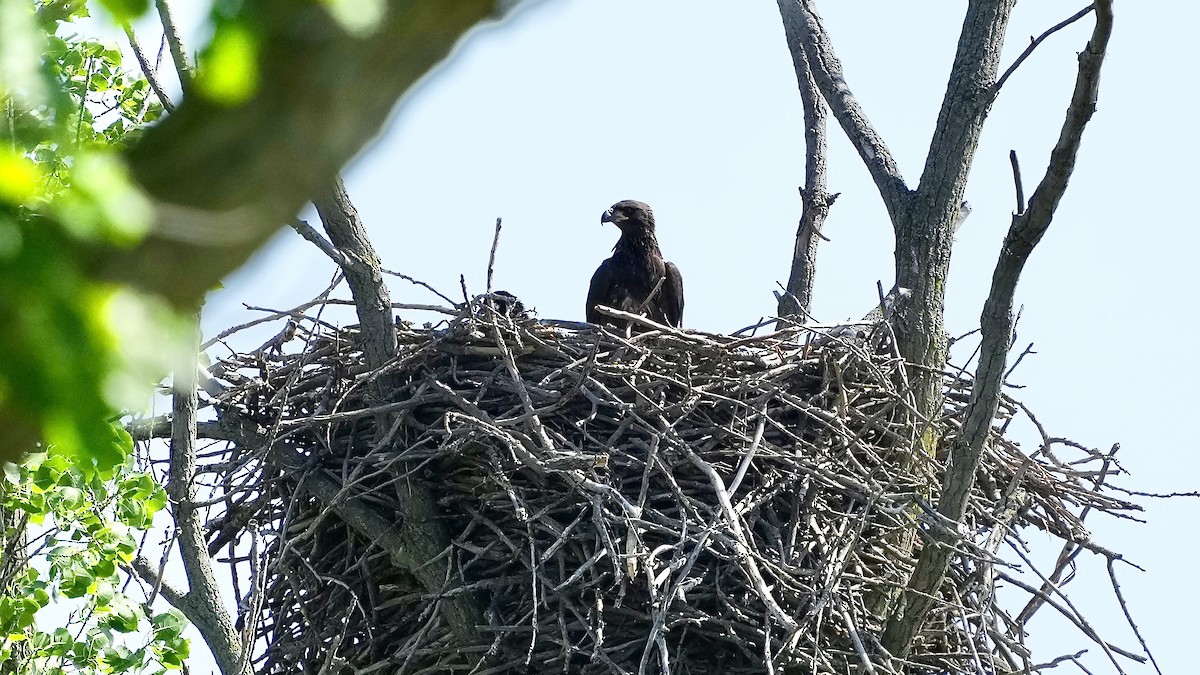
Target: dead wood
x: 624, y: 505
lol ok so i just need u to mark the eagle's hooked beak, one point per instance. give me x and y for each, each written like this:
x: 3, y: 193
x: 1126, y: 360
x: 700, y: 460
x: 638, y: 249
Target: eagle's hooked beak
x: 606, y: 217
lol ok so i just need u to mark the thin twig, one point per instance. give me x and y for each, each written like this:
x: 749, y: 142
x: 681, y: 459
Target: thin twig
x: 174, y: 42
x: 1034, y: 42
x: 422, y: 284
x: 492, y: 257
x: 150, y: 72
x: 1016, y: 169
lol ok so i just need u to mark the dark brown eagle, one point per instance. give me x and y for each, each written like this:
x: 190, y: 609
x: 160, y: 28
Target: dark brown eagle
x: 636, y: 268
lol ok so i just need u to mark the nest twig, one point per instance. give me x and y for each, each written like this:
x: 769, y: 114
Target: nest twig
x: 667, y: 502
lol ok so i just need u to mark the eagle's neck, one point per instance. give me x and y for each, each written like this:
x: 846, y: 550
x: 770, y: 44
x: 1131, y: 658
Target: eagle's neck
x: 637, y: 255
x: 637, y: 244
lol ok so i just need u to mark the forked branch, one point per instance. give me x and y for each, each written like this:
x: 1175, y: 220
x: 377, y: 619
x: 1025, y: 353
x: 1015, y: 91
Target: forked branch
x: 1023, y: 235
x: 418, y: 525
x: 802, y: 22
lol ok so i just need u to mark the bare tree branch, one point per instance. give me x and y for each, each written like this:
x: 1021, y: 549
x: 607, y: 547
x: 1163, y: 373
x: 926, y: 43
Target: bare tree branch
x: 800, y: 19
x: 176, y: 597
x: 1034, y: 42
x: 363, y: 274
x: 305, y: 230
x: 1024, y: 234
x: 148, y: 70
x: 419, y: 537
x: 174, y: 43
x: 797, y: 298
x: 201, y: 604
x: 1016, y: 168
x: 492, y: 257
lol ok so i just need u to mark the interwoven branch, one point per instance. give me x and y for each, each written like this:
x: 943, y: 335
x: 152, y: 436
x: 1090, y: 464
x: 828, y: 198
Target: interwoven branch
x: 621, y: 504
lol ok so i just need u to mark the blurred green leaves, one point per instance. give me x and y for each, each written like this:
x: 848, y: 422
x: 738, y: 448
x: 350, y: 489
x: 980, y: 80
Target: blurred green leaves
x: 19, y: 178
x: 104, y: 205
x: 21, y: 47
x: 76, y: 352
x: 358, y: 17
x: 228, y: 70
x: 124, y: 11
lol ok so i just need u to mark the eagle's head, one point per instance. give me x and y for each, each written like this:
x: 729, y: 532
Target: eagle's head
x: 630, y: 214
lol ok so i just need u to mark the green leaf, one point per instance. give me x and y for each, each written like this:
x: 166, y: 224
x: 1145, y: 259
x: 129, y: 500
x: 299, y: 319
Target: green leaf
x: 103, y: 593
x: 121, y: 659
x: 70, y: 498
x: 133, y: 513
x: 76, y: 585
x: 156, y: 501
x: 169, y: 625
x: 124, y: 11
x: 21, y: 47
x: 105, y: 567
x: 123, y: 615
x: 40, y: 596
x: 19, y: 178
x: 228, y: 70
x: 104, y: 205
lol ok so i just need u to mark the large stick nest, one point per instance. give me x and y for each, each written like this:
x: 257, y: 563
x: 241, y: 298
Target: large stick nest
x: 670, y: 502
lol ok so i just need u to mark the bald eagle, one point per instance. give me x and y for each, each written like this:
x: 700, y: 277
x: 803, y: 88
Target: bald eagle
x: 636, y: 268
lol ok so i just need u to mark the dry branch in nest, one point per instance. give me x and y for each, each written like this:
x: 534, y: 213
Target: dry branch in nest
x: 670, y: 502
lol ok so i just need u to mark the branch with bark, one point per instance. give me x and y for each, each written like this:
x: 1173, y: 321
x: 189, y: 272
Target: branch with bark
x: 418, y: 538
x: 801, y: 20
x: 1023, y: 235
x: 224, y: 178
x: 797, y: 296
x: 201, y: 603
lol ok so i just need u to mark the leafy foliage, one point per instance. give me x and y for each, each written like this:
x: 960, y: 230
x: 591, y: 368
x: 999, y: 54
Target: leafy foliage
x: 72, y: 344
x: 77, y: 352
x: 82, y: 534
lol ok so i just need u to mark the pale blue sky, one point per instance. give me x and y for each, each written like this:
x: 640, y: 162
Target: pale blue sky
x: 571, y: 105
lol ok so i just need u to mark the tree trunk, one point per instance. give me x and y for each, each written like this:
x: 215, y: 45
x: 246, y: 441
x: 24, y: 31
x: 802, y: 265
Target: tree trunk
x: 925, y: 230
x: 924, y: 222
